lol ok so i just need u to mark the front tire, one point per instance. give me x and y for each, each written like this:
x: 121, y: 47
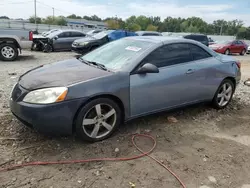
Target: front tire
x: 8, y: 52
x: 98, y: 119
x: 227, y: 52
x: 224, y: 94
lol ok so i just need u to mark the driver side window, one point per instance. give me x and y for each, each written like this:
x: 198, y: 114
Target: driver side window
x: 171, y: 54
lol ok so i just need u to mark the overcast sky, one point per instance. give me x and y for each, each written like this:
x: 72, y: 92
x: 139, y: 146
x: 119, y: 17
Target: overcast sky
x: 209, y: 10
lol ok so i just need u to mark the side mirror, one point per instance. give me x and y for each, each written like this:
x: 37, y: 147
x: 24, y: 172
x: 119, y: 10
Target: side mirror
x: 56, y: 37
x: 148, y: 68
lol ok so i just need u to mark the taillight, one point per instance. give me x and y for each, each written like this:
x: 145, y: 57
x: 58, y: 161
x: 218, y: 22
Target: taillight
x: 31, y: 36
x: 238, y: 64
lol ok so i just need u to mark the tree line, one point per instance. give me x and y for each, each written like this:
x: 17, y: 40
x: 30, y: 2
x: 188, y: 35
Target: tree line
x: 169, y: 24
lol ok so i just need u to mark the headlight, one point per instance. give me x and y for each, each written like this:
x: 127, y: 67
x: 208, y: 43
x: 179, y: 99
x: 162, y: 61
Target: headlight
x: 83, y: 43
x: 46, y: 96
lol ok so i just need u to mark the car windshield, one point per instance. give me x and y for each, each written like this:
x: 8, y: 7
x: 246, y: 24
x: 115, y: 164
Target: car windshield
x: 117, y: 54
x: 224, y: 42
x: 49, y: 32
x: 51, y: 35
x: 102, y: 34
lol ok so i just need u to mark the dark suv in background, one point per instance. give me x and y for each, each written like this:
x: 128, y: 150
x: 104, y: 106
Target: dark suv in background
x: 198, y: 37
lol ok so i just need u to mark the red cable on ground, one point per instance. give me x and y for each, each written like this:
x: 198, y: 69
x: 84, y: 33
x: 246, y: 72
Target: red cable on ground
x: 102, y: 159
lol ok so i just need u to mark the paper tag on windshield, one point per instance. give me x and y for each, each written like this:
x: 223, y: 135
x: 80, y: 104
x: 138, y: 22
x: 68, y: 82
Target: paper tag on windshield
x: 133, y: 48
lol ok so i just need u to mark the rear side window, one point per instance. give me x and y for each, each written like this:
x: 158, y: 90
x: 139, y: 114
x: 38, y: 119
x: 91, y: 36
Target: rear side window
x: 198, y: 53
x: 77, y: 34
x: 197, y: 37
x: 171, y: 54
x: 64, y: 35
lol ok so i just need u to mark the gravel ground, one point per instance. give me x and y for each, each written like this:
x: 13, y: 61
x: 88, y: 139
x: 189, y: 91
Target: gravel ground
x: 205, y: 147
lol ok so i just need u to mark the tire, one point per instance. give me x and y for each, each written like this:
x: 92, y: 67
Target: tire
x: 48, y: 48
x: 222, y: 94
x: 243, y: 52
x: 98, y: 128
x: 227, y: 52
x: 8, y: 52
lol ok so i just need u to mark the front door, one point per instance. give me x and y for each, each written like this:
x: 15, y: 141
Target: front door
x: 173, y: 86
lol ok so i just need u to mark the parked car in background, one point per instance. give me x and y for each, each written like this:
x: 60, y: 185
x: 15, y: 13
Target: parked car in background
x: 93, y: 32
x: 198, y: 37
x: 122, y: 80
x: 90, y: 43
x: 57, y: 41
x: 229, y: 47
x: 148, y: 33
x: 211, y: 41
x: 248, y: 50
x: 12, y: 42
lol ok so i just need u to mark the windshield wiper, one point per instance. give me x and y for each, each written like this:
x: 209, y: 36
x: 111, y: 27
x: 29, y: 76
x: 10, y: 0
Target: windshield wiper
x: 99, y: 65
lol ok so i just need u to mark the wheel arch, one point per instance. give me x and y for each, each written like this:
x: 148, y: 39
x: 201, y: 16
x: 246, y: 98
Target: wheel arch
x: 232, y: 79
x: 10, y: 40
x: 109, y: 96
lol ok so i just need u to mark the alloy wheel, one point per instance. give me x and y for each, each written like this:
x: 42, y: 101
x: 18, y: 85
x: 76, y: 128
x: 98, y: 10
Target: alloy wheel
x: 99, y: 121
x: 224, y: 95
x: 8, y: 52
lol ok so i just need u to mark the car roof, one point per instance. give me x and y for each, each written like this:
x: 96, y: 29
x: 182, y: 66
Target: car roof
x: 161, y: 39
x: 147, y: 32
x: 70, y: 30
x: 195, y: 34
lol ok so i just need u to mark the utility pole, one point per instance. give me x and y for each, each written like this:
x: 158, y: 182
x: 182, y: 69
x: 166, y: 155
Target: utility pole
x: 221, y: 28
x: 35, y: 10
x: 53, y: 13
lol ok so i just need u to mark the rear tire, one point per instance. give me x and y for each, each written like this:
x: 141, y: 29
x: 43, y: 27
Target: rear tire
x: 227, y: 52
x: 224, y: 94
x: 243, y: 52
x: 98, y: 119
x: 8, y: 52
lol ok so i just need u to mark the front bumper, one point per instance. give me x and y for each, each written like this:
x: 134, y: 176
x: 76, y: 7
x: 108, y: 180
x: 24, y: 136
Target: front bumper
x: 80, y: 49
x: 51, y: 119
x: 221, y: 51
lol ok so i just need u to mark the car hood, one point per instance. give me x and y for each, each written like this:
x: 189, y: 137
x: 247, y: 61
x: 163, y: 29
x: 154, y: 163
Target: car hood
x: 62, y: 73
x: 86, y: 39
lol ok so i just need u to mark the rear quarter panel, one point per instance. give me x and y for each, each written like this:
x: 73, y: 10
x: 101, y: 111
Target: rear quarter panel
x: 212, y: 71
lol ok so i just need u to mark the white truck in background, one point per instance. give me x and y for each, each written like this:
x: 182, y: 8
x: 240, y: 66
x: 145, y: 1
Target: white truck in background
x: 13, y: 41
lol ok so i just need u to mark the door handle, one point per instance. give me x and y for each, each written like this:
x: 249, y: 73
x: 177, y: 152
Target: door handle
x: 190, y: 71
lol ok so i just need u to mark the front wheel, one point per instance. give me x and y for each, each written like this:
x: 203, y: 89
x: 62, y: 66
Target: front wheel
x: 224, y: 94
x: 98, y: 119
x: 8, y: 52
x: 227, y: 52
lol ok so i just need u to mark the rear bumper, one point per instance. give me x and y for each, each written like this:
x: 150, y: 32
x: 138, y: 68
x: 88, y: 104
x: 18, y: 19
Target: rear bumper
x: 50, y: 119
x: 26, y: 44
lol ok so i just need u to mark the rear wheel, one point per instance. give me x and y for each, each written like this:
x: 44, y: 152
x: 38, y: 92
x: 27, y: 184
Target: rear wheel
x: 224, y: 94
x: 8, y: 52
x: 243, y: 52
x: 227, y: 52
x: 98, y: 119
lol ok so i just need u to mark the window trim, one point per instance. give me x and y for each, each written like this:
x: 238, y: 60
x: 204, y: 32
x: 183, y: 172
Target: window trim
x: 141, y: 63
